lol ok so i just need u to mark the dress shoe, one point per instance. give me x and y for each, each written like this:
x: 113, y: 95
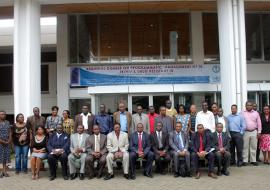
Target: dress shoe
x: 90, y: 177
x: 148, y: 175
x: 99, y: 176
x: 218, y: 173
x: 259, y: 160
x: 132, y: 177
x: 239, y: 164
x: 176, y: 174
x: 226, y: 173
x: 81, y: 176
x: 126, y: 176
x: 52, y: 178
x: 244, y: 164
x: 108, y: 177
x: 65, y: 177
x: 254, y: 163
x: 73, y: 176
x: 212, y: 175
x: 198, y: 175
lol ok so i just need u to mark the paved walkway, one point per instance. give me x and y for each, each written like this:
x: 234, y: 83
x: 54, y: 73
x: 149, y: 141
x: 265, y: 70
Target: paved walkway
x: 245, y: 178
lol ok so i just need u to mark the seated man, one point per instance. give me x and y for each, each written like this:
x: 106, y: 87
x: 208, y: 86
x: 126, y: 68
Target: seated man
x: 58, y: 149
x: 140, y: 147
x: 117, y: 145
x: 221, y: 143
x: 96, y: 150
x: 160, y: 145
x: 201, y: 148
x: 78, y: 153
x: 179, y: 148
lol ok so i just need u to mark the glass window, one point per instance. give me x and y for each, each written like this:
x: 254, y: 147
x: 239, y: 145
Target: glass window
x: 178, y: 44
x: 210, y: 36
x: 6, y: 74
x: 253, y: 37
x: 111, y: 101
x: 75, y: 106
x: 266, y: 35
x: 145, y: 37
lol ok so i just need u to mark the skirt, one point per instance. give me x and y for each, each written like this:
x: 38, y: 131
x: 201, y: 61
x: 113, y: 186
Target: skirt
x: 4, y: 153
x: 40, y: 155
x: 265, y: 142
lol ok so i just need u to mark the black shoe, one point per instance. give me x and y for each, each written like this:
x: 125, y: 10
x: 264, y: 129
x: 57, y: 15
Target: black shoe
x: 90, y: 177
x: 244, y: 164
x: 73, y: 176
x: 52, y: 178
x: 239, y: 164
x: 132, y: 177
x: 81, y: 176
x: 226, y: 173
x: 254, y: 163
x: 99, y: 176
x: 148, y: 175
x: 126, y: 176
x: 65, y: 177
x: 219, y: 173
x: 108, y: 177
x: 258, y: 160
x: 176, y: 174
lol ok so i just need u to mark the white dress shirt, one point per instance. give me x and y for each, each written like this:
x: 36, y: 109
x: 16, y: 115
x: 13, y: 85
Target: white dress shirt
x: 222, y: 120
x: 207, y: 119
x: 85, y: 120
x: 97, y: 141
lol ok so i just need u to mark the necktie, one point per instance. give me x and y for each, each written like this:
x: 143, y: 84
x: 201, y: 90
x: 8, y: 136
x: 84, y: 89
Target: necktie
x: 140, y: 142
x: 97, y: 144
x: 80, y: 140
x: 201, y: 144
x: 220, y: 143
x: 159, y: 140
x: 180, y: 141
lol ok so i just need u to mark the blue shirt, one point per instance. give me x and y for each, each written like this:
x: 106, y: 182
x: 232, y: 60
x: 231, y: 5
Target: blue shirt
x: 105, y: 123
x: 123, y: 121
x: 236, y: 123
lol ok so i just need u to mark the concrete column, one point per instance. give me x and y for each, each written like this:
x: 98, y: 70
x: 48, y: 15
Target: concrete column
x: 197, y: 48
x: 27, y: 63
x: 232, y: 53
x: 63, y: 76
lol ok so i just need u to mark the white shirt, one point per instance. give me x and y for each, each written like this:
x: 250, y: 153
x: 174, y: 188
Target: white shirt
x: 222, y: 120
x: 207, y: 119
x: 85, y: 120
x: 58, y: 134
x: 97, y: 137
x: 80, y: 140
x: 160, y: 132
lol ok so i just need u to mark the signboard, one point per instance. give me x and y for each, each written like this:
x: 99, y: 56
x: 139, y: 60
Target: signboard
x: 144, y: 74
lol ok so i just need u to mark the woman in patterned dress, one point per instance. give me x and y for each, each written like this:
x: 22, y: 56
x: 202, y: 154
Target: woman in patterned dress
x: 68, y: 123
x: 265, y: 135
x: 183, y: 118
x: 53, y: 120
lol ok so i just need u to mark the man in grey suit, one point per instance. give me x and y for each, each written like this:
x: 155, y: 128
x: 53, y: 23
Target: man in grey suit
x: 97, y: 151
x: 178, y: 141
x: 78, y: 153
x: 117, y: 145
x: 140, y: 117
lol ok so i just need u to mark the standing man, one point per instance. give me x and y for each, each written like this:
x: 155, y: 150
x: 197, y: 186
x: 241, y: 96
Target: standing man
x: 170, y: 111
x: 206, y: 118
x: 252, y: 134
x: 221, y: 143
x: 97, y: 151
x: 152, y: 117
x: 104, y: 120
x: 140, y: 147
x: 179, y: 143
x: 160, y: 145
x: 192, y: 118
x: 78, y: 153
x: 58, y: 149
x: 34, y: 121
x: 237, y: 127
x: 117, y: 146
x: 86, y: 119
x: 166, y: 121
x: 140, y: 117
x: 258, y: 151
x: 123, y: 117
x: 214, y: 109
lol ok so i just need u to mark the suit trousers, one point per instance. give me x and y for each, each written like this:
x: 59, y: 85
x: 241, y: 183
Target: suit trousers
x: 236, y: 142
x: 176, y: 160
x: 162, y: 162
x: 125, y: 161
x: 133, y: 156
x: 75, y: 162
x: 53, y: 159
x: 210, y: 158
x: 223, y: 160
x: 250, y: 146
x: 89, y: 162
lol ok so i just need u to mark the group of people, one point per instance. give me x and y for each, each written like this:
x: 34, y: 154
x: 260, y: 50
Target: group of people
x: 178, y: 140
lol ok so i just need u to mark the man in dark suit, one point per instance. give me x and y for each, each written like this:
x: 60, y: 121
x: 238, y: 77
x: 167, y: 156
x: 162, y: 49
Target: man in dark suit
x: 201, y: 148
x: 179, y: 148
x: 96, y: 150
x: 160, y: 145
x: 221, y: 143
x: 58, y: 149
x: 140, y: 147
x: 86, y: 119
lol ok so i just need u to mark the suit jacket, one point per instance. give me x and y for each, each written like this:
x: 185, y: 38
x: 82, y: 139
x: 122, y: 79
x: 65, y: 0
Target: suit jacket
x: 63, y: 142
x: 134, y: 142
x: 164, y: 140
x: 116, y: 119
x: 90, y: 144
x: 195, y: 142
x: 225, y: 141
x: 32, y: 123
x: 144, y: 119
x: 74, y: 142
x: 79, y: 121
x: 114, y: 144
x: 173, y: 140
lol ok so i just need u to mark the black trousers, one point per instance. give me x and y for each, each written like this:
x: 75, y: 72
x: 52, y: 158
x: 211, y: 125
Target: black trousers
x: 236, y: 142
x: 133, y: 156
x: 223, y: 160
x: 195, y: 161
x: 53, y: 159
x: 258, y: 151
x: 162, y: 162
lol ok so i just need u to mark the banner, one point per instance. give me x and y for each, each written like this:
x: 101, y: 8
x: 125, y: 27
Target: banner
x: 144, y: 74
